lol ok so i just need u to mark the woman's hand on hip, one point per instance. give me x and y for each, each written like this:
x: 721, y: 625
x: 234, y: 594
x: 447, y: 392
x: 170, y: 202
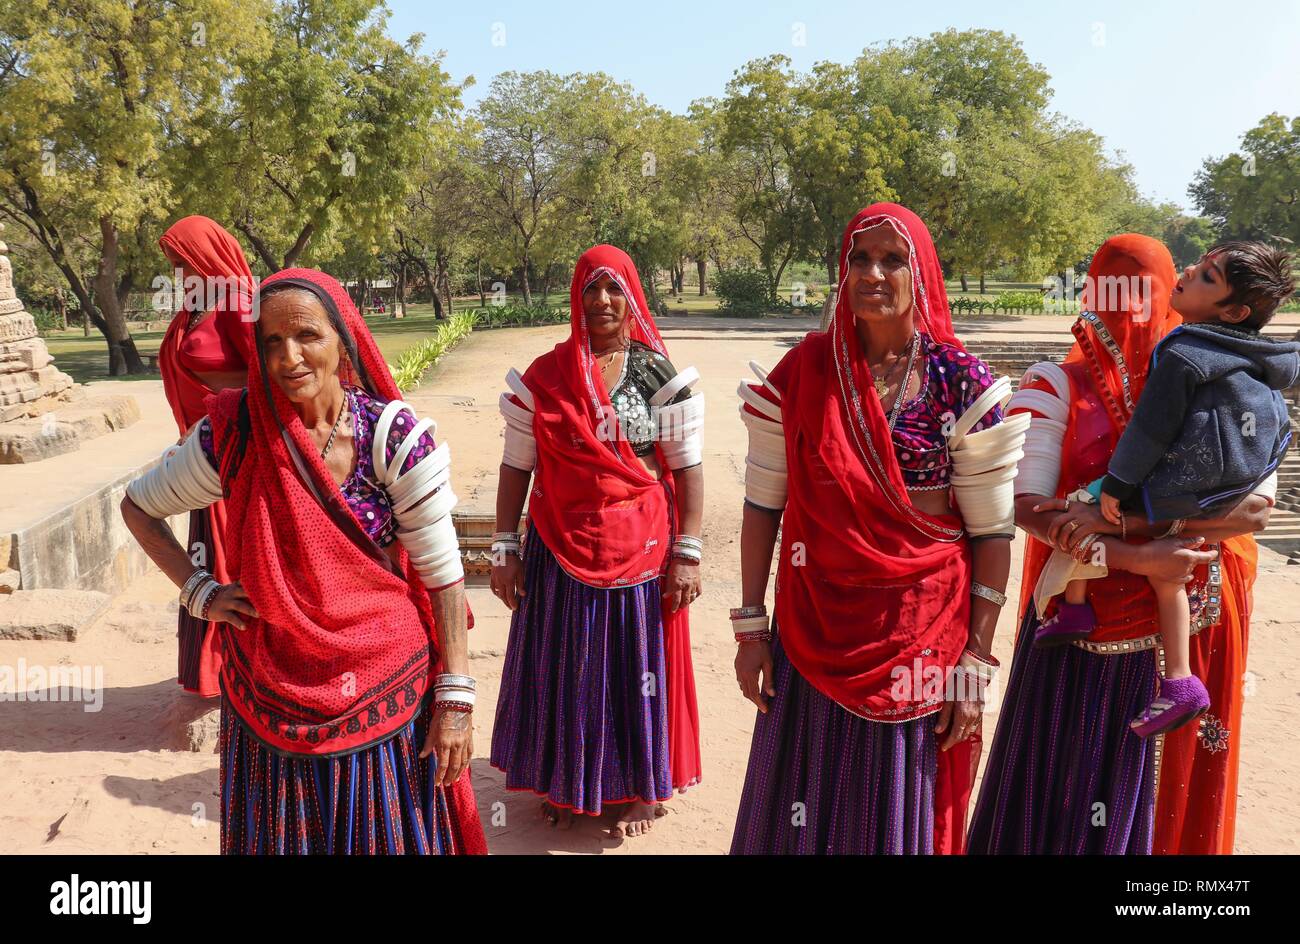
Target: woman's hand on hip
x: 508, y: 579
x: 754, y: 672
x: 681, y: 584
x: 232, y: 605
x: 451, y: 742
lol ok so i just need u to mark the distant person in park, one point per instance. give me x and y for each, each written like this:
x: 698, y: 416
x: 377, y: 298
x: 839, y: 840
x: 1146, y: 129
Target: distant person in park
x: 597, y: 705
x: 1066, y: 773
x: 206, y: 350
x: 346, y: 712
x: 879, y: 451
x: 1210, y: 426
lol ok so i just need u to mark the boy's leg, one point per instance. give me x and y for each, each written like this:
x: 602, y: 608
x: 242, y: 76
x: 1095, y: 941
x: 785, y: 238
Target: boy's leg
x: 1175, y: 627
x: 1076, y: 592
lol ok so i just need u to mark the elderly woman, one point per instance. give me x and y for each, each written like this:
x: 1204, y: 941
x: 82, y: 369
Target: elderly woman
x: 346, y: 700
x: 206, y: 349
x: 597, y: 702
x: 1066, y: 773
x: 879, y: 451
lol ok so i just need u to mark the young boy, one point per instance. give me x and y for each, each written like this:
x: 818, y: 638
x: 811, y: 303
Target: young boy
x: 1210, y: 425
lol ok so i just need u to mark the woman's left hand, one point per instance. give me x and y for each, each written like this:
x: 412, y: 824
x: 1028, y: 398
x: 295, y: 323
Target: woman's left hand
x: 451, y: 742
x: 962, y: 719
x: 1071, y: 526
x: 681, y: 585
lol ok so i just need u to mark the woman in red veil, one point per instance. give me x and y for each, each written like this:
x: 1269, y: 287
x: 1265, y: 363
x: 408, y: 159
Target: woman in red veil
x: 205, y: 350
x: 597, y: 704
x: 879, y: 449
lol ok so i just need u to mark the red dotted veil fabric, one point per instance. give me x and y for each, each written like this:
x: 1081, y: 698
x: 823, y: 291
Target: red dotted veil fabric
x: 341, y: 654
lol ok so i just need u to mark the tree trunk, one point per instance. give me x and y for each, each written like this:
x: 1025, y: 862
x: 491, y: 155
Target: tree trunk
x: 832, y: 261
x: 701, y: 267
x: 478, y: 281
x: 61, y: 306
x: 981, y: 283
x: 123, y: 358
x: 964, y: 286
x: 523, y: 278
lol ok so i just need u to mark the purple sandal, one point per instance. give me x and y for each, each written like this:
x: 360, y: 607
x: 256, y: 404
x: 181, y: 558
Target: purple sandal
x: 1072, y: 621
x: 1180, y: 701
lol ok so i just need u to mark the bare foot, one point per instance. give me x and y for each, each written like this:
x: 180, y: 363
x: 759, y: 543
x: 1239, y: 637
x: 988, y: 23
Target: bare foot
x: 637, y: 820
x: 557, y: 815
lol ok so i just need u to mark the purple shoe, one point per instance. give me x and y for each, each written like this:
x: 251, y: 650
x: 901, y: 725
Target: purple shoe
x: 1072, y: 621
x: 1180, y: 701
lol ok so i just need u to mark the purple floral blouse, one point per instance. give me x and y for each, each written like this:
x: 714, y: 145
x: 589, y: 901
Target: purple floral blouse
x: 366, y: 499
x: 956, y: 379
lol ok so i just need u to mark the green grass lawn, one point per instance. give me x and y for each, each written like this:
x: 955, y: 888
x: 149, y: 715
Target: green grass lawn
x: 85, y: 359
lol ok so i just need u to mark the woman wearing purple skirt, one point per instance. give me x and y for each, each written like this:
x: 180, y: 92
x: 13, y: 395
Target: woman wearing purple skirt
x: 1066, y: 774
x: 597, y: 704
x: 879, y: 449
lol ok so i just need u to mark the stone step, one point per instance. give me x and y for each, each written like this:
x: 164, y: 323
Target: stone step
x: 65, y: 428
x: 50, y: 614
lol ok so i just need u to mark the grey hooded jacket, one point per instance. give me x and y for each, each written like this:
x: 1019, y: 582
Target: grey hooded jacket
x: 1211, y: 423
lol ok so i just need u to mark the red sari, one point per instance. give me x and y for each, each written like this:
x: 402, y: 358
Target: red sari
x: 221, y: 342
x: 851, y: 514
x: 1196, y: 796
x: 605, y: 518
x: 340, y: 655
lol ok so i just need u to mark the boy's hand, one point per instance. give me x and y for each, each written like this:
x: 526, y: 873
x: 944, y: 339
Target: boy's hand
x: 1110, y: 508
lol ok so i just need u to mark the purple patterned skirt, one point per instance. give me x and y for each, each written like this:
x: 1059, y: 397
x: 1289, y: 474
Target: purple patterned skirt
x: 582, y: 718
x: 377, y: 801
x: 824, y: 781
x: 1065, y: 775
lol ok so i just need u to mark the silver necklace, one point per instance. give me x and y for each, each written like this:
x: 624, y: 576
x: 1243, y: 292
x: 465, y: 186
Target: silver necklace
x: 912, y: 347
x: 344, y: 408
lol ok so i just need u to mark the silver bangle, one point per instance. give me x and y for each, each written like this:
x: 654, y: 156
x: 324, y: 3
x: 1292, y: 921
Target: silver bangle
x: 192, y: 584
x: 448, y: 679
x: 743, y: 612
x: 199, y: 598
x: 995, y: 597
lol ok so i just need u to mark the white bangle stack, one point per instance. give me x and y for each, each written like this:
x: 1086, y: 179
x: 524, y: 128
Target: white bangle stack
x: 454, y: 692
x: 197, y: 593
x: 688, y: 548
x: 506, y: 542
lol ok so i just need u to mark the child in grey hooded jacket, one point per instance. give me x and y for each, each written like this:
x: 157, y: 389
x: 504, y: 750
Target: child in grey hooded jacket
x: 1210, y: 426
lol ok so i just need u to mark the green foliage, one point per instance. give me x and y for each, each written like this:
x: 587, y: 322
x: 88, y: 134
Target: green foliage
x: 412, y: 365
x: 1253, y: 194
x: 743, y: 291
x: 518, y: 315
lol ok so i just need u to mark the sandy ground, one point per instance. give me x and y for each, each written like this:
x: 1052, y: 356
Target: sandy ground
x: 109, y: 781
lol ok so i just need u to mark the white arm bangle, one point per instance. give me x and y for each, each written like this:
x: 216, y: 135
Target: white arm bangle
x: 183, y: 480
x: 678, y: 427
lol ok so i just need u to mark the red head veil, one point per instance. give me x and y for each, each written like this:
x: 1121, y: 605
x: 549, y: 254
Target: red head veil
x: 212, y: 254
x: 594, y: 504
x: 340, y: 655
x: 1126, y: 312
x: 867, y: 584
x: 1128, y: 290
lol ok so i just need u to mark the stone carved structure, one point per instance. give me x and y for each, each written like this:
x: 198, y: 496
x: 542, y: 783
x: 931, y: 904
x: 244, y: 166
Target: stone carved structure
x: 32, y: 388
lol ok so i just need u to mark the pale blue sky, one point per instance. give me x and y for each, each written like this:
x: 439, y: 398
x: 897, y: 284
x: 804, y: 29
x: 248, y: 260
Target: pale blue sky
x: 1165, y: 83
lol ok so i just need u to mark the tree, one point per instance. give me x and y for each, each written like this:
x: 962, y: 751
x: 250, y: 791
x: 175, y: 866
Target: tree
x: 327, y: 131
x: 97, y: 97
x: 1255, y: 194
